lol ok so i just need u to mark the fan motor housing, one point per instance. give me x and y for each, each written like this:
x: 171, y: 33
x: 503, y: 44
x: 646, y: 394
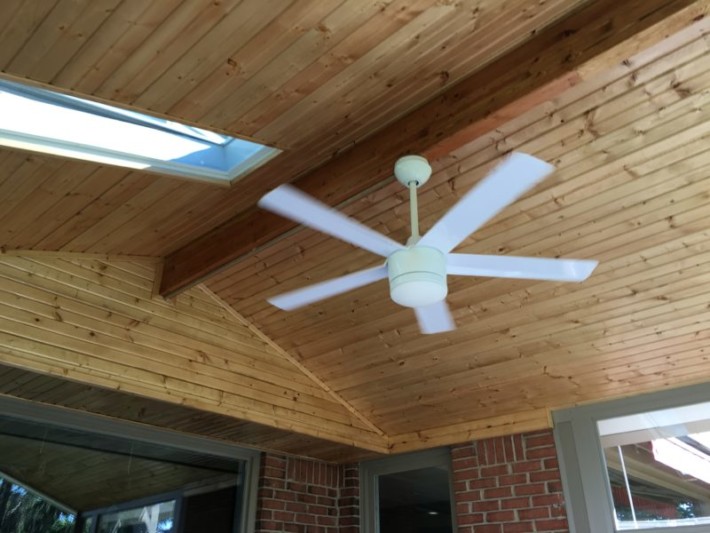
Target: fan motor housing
x: 417, y: 276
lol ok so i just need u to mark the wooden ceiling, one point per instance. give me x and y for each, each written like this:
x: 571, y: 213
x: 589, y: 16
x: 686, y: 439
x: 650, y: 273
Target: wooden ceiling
x: 613, y: 95
x: 70, y: 475
x: 51, y: 390
x: 308, y: 76
x: 68, y: 467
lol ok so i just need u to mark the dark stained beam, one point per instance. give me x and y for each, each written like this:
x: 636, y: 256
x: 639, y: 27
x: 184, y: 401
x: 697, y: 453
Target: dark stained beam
x: 540, y: 69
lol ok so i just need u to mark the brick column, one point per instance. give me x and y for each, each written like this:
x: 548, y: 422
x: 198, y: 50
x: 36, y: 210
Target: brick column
x: 306, y: 496
x: 349, y: 502
x: 509, y: 485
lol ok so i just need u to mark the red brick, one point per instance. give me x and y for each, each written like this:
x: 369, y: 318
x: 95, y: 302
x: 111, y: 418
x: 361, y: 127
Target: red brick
x: 515, y: 503
x: 551, y: 464
x: 464, y: 463
x: 527, y: 466
x: 548, y: 500
x: 488, y: 505
x: 512, y: 479
x: 500, y: 516
x: 489, y: 528
x: 500, y: 492
x: 539, y: 440
x: 273, y: 504
x: 534, y: 514
x: 283, y: 516
x: 327, y: 521
x: 305, y: 518
x: 319, y: 509
x: 469, y: 496
x: 557, y: 511
x: 486, y: 483
x: 494, y: 471
x: 519, y: 527
x: 541, y: 453
x: 473, y: 518
x: 529, y: 489
x: 295, y: 507
x: 544, y: 475
x: 458, y: 452
x: 551, y: 525
x: 554, y: 486
x: 465, y: 475
x: 274, y: 461
x: 460, y: 486
x: 284, y: 495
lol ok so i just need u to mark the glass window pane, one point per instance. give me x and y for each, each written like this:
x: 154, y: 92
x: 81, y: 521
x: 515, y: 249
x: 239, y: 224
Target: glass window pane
x: 156, y: 518
x: 415, y: 501
x: 37, y: 119
x: 659, y: 467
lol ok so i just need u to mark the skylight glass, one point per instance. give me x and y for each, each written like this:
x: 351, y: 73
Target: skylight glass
x: 44, y: 121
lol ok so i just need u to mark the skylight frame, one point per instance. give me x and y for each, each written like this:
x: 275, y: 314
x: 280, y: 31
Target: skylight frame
x: 215, y: 157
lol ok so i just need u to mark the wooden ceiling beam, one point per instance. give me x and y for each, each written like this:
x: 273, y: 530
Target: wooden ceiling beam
x: 592, y: 38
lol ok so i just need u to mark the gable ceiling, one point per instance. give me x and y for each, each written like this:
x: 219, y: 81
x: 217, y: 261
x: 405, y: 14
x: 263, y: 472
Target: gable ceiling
x: 614, y: 96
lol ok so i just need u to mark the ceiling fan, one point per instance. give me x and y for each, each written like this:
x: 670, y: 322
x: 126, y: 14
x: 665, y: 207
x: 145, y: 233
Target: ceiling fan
x: 417, y: 271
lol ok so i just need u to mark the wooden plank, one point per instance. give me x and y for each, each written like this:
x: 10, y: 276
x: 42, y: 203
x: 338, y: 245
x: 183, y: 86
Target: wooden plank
x: 178, y: 32
x: 249, y: 32
x: 161, y: 313
x: 296, y: 363
x: 388, y: 20
x: 503, y: 366
x: 499, y: 28
x: 65, y: 202
x: 115, y: 198
x: 96, y: 341
x: 21, y: 22
x: 59, y: 37
x: 143, y: 364
x: 469, y: 431
x: 129, y: 15
x: 80, y: 256
x: 145, y: 197
x: 436, y: 17
x: 234, y: 359
x: 587, y: 33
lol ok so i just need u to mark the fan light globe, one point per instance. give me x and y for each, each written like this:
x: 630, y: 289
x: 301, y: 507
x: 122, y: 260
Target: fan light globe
x: 417, y: 276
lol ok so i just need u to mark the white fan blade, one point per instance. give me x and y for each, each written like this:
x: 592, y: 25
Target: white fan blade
x: 508, y: 181
x: 503, y: 266
x: 291, y: 203
x: 435, y: 318
x: 320, y: 291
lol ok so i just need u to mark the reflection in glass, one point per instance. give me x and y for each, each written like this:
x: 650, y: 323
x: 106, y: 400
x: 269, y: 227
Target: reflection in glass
x: 659, y: 468
x: 415, y: 501
x: 157, y: 518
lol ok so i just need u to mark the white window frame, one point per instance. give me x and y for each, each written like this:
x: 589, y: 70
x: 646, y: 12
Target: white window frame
x: 585, y: 482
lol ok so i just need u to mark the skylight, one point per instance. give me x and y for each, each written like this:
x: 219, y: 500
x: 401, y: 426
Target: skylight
x: 49, y: 122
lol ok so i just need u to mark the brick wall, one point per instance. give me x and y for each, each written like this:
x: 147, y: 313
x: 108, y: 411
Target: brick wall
x: 509, y: 485
x: 501, y: 485
x: 305, y: 496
